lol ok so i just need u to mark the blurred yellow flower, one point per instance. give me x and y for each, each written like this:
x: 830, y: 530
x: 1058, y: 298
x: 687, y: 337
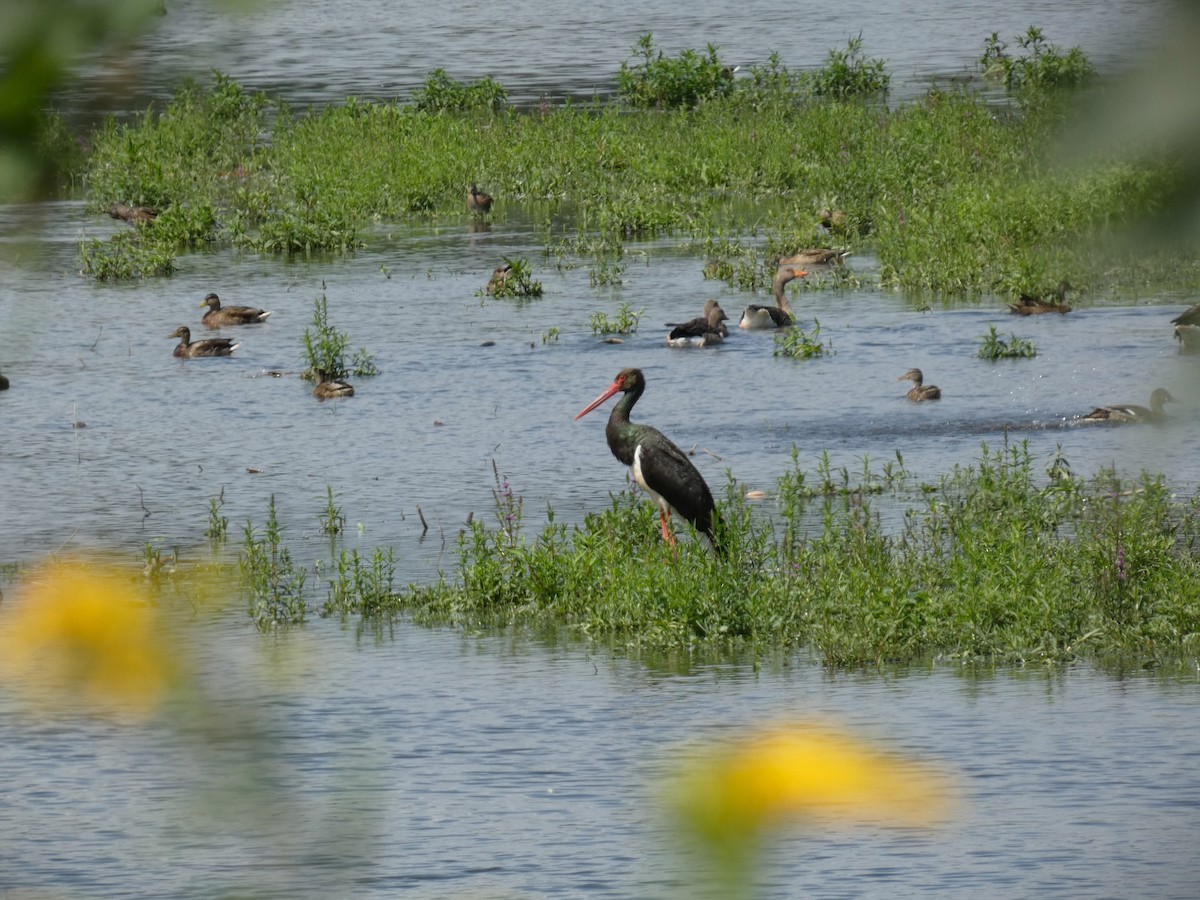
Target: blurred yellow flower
x: 802, y: 772
x: 86, y: 633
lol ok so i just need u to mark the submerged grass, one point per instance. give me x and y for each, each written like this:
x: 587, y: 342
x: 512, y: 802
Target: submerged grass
x: 951, y: 193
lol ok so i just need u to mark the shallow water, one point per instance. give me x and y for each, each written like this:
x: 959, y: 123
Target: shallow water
x: 436, y: 765
x: 439, y: 765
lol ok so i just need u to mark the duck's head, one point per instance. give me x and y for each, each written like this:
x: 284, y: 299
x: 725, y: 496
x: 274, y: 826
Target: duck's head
x: 211, y: 300
x: 183, y: 333
x: 913, y: 375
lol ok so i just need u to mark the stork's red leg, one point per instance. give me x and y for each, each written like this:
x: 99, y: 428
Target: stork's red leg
x: 666, y: 532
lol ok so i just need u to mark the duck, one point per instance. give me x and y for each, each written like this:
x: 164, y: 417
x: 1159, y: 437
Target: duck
x: 704, y: 331
x: 778, y: 316
x: 333, y: 387
x: 478, y: 201
x: 1187, y: 329
x: 134, y: 215
x: 499, y: 279
x: 1028, y: 305
x: 189, y: 349
x: 920, y: 391
x: 1132, y: 412
x: 814, y: 256
x: 833, y: 219
x: 219, y: 315
x: 3, y: 383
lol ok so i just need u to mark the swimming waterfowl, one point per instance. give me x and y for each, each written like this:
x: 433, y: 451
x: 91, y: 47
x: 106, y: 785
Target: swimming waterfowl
x: 478, y: 201
x: 814, y: 256
x: 778, y: 316
x: 134, y: 215
x: 333, y: 388
x: 3, y: 383
x: 219, y: 315
x: 1028, y: 305
x: 1132, y: 412
x: 920, y: 391
x: 189, y: 349
x: 704, y: 331
x: 500, y: 276
x: 1187, y: 329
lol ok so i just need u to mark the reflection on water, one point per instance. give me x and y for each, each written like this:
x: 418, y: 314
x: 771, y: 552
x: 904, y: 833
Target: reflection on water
x: 454, y: 766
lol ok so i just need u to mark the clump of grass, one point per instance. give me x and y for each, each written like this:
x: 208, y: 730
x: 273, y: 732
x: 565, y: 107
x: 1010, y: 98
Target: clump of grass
x: 325, y: 349
x: 993, y: 346
x: 441, y: 93
x: 125, y: 255
x: 625, y: 322
x: 272, y: 582
x: 332, y: 521
x: 658, y: 80
x: 362, y: 586
x: 550, y: 335
x: 1042, y: 66
x: 218, y: 525
x: 848, y: 73
x: 796, y: 343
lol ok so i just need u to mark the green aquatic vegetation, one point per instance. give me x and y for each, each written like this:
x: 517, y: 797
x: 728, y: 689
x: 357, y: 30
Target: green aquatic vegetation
x: 441, y: 93
x: 363, y: 587
x: 848, y: 73
x: 658, y: 80
x: 273, y: 584
x: 332, y: 521
x: 124, y: 255
x: 992, y: 346
x: 796, y: 343
x: 625, y: 321
x: 218, y: 525
x: 1042, y: 66
x: 325, y: 349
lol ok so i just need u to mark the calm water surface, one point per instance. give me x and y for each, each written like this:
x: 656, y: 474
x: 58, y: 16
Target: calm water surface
x: 431, y: 764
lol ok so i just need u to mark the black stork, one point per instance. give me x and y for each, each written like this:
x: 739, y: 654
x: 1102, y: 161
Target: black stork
x: 660, y: 467
x: 779, y: 315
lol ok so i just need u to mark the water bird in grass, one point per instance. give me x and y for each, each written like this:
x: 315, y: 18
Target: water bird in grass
x: 1029, y: 305
x: 813, y: 256
x: 500, y: 276
x: 661, y: 468
x: 478, y: 202
x: 134, y: 215
x: 219, y: 315
x: 920, y: 391
x: 189, y: 349
x: 779, y: 315
x: 1132, y: 412
x: 704, y: 331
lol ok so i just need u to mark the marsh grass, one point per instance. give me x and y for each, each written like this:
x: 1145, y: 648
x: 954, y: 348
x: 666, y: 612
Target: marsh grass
x: 273, y: 584
x: 796, y: 343
x: 325, y: 349
x: 1040, y: 67
x: 624, y: 322
x: 992, y: 346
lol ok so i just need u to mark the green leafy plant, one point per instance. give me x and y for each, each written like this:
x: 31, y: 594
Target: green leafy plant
x: 625, y: 322
x: 550, y: 335
x: 995, y: 347
x: 1042, y: 65
x: 125, y: 255
x: 663, y: 81
x: 796, y: 343
x: 441, y: 93
x: 273, y: 583
x: 325, y: 348
x: 332, y: 521
x: 848, y: 73
x: 362, y: 586
x: 218, y: 525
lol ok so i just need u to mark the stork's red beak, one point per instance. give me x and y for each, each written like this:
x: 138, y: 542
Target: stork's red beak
x: 612, y: 389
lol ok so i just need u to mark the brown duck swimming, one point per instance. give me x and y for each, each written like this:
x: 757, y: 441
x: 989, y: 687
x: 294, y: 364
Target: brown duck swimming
x: 1028, y: 305
x: 134, y: 215
x: 500, y: 276
x: 779, y: 315
x: 189, y: 349
x: 478, y: 201
x: 920, y: 391
x: 704, y: 331
x: 333, y: 388
x: 219, y: 315
x: 1132, y: 412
